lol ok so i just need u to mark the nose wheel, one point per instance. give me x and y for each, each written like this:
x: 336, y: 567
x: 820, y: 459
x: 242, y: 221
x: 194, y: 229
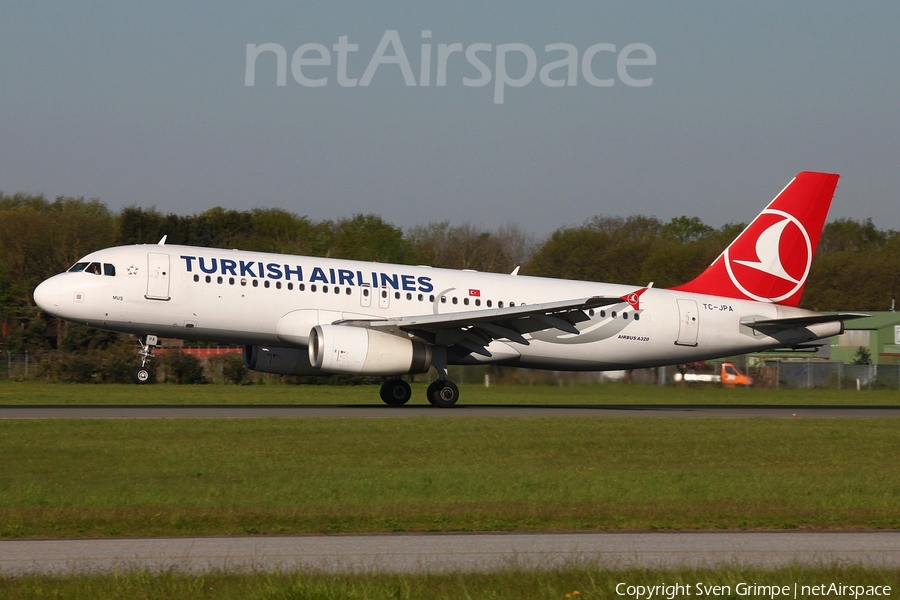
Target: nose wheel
x: 140, y: 375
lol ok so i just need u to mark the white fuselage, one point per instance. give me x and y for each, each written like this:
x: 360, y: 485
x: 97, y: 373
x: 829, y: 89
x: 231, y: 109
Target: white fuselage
x: 232, y: 296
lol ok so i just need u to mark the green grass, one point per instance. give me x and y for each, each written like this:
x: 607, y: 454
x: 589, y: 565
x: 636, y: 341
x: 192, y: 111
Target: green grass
x: 267, y: 476
x: 583, y: 583
x: 58, y: 393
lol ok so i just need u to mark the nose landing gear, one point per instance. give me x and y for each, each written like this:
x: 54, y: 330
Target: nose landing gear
x: 141, y: 374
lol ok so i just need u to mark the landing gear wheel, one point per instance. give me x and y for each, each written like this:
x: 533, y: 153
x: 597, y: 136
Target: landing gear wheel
x: 140, y: 375
x: 395, y: 392
x: 443, y: 394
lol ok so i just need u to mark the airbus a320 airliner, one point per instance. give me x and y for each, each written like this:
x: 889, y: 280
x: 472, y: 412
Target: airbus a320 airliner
x: 298, y: 315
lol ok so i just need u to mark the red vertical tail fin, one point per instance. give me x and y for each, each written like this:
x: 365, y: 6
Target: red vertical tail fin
x: 769, y: 261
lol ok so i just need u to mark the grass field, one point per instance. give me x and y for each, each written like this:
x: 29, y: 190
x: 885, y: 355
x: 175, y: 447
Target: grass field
x: 201, y: 477
x: 57, y: 393
x: 583, y: 583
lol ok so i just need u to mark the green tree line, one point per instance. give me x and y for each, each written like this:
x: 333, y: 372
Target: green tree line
x: 857, y: 266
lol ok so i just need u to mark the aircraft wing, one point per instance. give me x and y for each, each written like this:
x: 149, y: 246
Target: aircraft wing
x: 473, y: 330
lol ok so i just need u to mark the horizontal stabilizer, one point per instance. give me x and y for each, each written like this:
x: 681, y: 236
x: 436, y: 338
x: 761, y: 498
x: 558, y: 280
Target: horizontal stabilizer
x: 794, y: 322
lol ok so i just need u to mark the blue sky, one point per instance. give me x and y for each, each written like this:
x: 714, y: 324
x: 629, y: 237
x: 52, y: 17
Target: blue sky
x: 146, y: 105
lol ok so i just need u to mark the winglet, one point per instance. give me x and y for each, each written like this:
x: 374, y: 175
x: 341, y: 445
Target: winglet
x: 634, y: 298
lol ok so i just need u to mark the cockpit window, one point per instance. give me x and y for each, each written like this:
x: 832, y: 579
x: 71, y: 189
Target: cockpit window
x: 78, y: 267
x: 109, y: 269
x: 94, y: 268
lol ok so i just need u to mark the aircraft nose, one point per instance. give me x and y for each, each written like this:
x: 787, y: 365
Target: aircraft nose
x: 46, y: 295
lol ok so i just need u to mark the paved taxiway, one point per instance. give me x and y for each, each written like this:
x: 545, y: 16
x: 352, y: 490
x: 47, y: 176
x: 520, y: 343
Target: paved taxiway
x: 453, y: 552
x: 383, y: 411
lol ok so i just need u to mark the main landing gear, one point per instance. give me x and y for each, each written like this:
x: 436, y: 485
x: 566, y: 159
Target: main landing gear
x: 442, y: 393
x: 395, y: 392
x: 141, y: 374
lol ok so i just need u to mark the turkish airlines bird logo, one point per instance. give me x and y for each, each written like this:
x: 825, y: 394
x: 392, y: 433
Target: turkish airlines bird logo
x: 771, y: 259
x: 634, y: 298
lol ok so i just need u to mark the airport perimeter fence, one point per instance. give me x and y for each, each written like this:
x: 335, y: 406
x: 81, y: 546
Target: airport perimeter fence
x: 775, y: 374
x: 16, y: 366
x: 826, y: 374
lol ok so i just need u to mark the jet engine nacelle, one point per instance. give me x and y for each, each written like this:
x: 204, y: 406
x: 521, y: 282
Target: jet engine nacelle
x: 362, y: 351
x: 280, y: 361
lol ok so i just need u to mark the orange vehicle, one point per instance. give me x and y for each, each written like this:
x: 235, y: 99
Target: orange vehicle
x: 728, y: 375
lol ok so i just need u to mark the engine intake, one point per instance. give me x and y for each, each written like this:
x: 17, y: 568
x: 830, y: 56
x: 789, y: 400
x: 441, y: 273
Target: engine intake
x: 362, y: 351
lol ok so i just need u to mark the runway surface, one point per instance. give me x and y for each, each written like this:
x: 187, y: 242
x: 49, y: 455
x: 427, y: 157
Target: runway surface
x: 384, y: 411
x: 453, y: 552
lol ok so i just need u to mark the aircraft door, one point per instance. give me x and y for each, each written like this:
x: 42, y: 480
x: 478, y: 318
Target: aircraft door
x: 384, y: 298
x: 157, y: 276
x: 688, y: 324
